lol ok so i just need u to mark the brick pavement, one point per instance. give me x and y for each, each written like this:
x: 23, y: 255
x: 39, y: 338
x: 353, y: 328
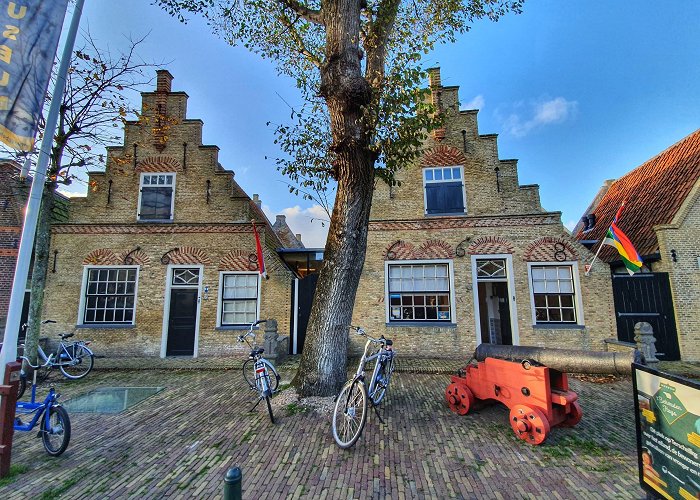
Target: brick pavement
x: 179, y: 444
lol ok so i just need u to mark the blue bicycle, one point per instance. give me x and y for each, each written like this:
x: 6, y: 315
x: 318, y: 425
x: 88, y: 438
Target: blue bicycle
x: 50, y: 415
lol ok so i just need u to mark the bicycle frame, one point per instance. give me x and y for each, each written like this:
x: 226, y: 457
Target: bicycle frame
x: 262, y: 376
x: 38, y: 409
x: 380, y: 356
x: 62, y: 357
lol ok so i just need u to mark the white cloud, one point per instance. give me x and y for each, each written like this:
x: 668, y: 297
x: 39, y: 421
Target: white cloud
x: 520, y: 122
x: 311, y: 223
x: 477, y: 103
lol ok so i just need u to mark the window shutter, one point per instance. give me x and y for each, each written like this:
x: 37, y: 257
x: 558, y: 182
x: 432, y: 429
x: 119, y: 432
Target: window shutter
x: 444, y: 198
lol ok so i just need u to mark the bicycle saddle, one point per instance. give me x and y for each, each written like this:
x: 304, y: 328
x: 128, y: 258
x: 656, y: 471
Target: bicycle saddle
x: 389, y: 342
x: 256, y: 351
x: 65, y: 335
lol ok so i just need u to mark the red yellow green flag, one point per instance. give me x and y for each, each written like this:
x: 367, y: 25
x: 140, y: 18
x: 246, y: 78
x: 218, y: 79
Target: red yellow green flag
x: 615, y: 237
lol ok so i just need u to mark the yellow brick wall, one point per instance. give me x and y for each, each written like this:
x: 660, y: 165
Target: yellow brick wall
x: 684, y: 275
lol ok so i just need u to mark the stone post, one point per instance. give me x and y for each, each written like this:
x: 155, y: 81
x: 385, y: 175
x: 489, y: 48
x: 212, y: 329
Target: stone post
x: 644, y: 337
x: 274, y: 345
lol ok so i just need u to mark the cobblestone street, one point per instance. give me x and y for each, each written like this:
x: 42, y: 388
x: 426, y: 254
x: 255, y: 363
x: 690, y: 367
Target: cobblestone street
x: 180, y: 443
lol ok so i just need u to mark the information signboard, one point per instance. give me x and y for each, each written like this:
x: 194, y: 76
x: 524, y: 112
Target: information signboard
x: 668, y: 433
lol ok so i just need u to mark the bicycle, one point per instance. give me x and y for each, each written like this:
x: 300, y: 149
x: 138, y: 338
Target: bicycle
x: 55, y: 423
x: 260, y: 381
x: 75, y: 359
x: 350, y: 413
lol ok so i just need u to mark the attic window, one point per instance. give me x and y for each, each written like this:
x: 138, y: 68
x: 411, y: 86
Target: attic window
x: 156, y: 197
x: 444, y: 190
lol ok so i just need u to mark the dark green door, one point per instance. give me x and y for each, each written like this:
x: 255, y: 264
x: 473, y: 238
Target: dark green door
x: 182, y: 323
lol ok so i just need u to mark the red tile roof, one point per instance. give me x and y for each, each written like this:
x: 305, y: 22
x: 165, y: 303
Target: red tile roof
x: 653, y: 193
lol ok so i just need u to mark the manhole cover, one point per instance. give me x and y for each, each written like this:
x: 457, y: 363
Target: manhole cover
x: 110, y: 399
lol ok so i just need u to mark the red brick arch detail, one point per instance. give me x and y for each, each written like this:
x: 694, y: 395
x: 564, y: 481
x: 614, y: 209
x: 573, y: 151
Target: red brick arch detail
x: 160, y: 163
x: 550, y: 249
x: 101, y: 257
x: 237, y: 260
x: 490, y: 245
x: 189, y: 255
x: 400, y: 250
x: 443, y: 156
x: 138, y: 258
x: 436, y: 249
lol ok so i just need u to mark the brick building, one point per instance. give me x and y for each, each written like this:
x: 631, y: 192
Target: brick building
x: 14, y: 193
x: 460, y: 254
x: 159, y: 258
x: 662, y: 219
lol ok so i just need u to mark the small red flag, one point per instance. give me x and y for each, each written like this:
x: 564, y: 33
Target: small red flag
x: 258, y: 250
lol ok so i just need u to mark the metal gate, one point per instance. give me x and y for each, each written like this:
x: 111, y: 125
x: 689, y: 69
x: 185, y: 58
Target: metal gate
x: 646, y: 297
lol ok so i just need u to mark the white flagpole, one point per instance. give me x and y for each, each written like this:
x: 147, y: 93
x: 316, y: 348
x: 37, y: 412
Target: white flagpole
x: 590, y: 266
x: 19, y: 284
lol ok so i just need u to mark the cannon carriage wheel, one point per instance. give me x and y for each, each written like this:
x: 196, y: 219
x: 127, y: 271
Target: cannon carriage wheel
x: 459, y: 398
x: 529, y: 424
x: 574, y: 415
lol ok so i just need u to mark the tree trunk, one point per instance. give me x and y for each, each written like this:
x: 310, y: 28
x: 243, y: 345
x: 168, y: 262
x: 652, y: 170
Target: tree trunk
x: 42, y: 242
x: 323, y: 367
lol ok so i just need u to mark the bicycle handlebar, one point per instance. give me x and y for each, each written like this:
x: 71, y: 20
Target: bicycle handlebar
x: 361, y: 331
x: 48, y: 361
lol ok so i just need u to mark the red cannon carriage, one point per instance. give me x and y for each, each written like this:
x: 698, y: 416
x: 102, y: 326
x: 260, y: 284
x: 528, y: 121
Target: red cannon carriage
x: 538, y: 396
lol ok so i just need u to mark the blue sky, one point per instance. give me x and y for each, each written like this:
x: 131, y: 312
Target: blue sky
x: 578, y: 90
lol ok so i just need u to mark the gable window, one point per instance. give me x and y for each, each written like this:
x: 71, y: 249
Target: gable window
x: 109, y: 295
x: 156, y: 197
x: 419, y: 292
x: 554, y: 293
x: 444, y: 190
x: 238, y: 298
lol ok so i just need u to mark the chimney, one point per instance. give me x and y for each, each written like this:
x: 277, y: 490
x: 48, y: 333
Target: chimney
x: 280, y: 219
x: 256, y: 200
x: 163, y: 81
x: 435, y: 83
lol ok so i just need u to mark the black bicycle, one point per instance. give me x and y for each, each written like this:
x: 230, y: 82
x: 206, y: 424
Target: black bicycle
x: 259, y: 373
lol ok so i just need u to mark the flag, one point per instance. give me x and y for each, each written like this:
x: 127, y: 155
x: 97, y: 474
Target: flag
x: 615, y: 237
x: 259, y: 252
x: 31, y: 29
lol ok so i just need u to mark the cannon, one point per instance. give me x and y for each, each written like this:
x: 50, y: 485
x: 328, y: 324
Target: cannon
x: 532, y: 382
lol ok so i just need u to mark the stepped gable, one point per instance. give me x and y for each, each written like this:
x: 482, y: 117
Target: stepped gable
x: 653, y: 193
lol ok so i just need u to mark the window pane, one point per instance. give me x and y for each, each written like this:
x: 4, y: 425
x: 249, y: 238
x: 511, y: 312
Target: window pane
x: 568, y: 315
x: 566, y: 287
x: 447, y: 174
x: 554, y: 315
x: 567, y: 301
x: 552, y: 287
x: 438, y: 174
x: 550, y: 273
x: 456, y: 174
x: 537, y: 273
x: 540, y: 301
x: 564, y: 273
x: 428, y: 175
x: 538, y: 287
x: 109, y: 295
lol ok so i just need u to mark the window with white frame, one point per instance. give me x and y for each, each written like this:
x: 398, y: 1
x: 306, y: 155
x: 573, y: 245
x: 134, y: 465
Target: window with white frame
x: 444, y: 190
x: 419, y: 292
x: 109, y: 295
x: 554, y: 296
x: 239, y: 298
x: 156, y: 197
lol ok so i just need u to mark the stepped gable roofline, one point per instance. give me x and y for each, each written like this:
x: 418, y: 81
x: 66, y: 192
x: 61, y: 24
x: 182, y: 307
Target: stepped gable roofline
x: 654, y: 193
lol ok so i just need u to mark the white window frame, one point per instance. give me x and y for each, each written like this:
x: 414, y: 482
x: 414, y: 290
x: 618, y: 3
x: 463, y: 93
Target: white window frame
x: 578, y: 305
x: 220, y: 295
x: 513, y: 305
x: 431, y: 323
x: 425, y: 194
x: 83, y: 291
x: 172, y: 198
x: 166, y: 305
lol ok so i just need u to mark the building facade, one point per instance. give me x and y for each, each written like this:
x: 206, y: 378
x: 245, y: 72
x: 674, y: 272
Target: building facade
x: 460, y: 253
x: 662, y: 219
x: 159, y: 258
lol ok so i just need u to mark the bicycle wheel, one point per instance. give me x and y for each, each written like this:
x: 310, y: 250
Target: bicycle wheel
x: 269, y: 409
x: 274, y: 377
x: 381, y: 383
x: 248, y: 372
x: 22, y: 386
x: 81, y: 364
x: 350, y: 414
x: 57, y: 435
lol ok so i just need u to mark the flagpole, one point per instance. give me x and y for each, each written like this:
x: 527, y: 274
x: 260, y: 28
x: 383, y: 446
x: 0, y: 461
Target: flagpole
x: 19, y: 283
x: 590, y: 266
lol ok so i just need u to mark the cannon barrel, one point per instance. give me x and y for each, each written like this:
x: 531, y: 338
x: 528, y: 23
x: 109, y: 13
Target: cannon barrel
x: 564, y: 360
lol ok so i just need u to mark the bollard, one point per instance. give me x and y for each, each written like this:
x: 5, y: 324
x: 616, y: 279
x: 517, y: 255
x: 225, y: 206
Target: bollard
x: 232, y: 484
